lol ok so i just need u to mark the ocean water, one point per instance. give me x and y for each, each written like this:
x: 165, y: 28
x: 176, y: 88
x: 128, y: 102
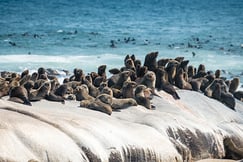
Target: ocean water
x: 62, y: 34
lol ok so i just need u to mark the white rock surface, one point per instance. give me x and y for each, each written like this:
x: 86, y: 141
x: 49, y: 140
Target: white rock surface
x: 191, y: 128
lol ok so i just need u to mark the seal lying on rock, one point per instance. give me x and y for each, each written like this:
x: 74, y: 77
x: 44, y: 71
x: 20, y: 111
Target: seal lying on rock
x: 141, y: 97
x: 38, y: 94
x: 19, y: 93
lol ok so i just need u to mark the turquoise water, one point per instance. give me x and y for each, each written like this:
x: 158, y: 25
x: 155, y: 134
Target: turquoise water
x: 64, y: 35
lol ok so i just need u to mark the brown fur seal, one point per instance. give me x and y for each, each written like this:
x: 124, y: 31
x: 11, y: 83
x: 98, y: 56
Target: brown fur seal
x: 38, y: 94
x: 163, y: 84
x: 129, y: 64
x: 101, y: 71
x: 140, y: 97
x: 150, y: 61
x: 217, y: 73
x: 114, y: 71
x: 180, y: 81
x: 234, y: 84
x: 228, y: 100
x: 118, y: 103
x: 201, y: 71
x: 149, y: 80
x: 239, y: 95
x: 116, y: 81
x: 171, y: 70
x: 190, y: 71
x: 107, y: 90
x: 128, y: 89
x: 231, y: 150
x: 21, y: 93
x: 93, y: 91
x: 162, y: 62
x: 52, y: 97
x: 4, y: 88
x: 78, y: 75
x: 82, y: 93
x: 98, y: 104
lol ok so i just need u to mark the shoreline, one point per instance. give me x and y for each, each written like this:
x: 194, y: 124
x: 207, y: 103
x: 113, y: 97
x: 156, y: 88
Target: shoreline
x: 141, y: 113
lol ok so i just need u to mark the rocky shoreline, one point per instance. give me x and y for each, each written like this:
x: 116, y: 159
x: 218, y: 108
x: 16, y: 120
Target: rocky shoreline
x: 195, y: 113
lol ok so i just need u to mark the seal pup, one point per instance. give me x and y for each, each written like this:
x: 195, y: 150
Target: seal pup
x: 150, y: 61
x: 19, y: 93
x: 141, y: 98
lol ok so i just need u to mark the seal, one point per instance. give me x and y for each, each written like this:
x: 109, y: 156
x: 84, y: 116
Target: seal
x: 40, y: 93
x: 228, y: 99
x: 116, y: 81
x: 122, y: 103
x: 99, y: 105
x: 107, y: 90
x: 234, y: 84
x: 93, y: 91
x: 41, y: 71
x: 52, y: 97
x: 171, y: 70
x: 217, y: 73
x: 149, y: 80
x: 238, y: 95
x: 150, y: 61
x: 163, y: 84
x: 78, y: 75
x: 101, y: 71
x: 191, y: 71
x: 114, y: 71
x: 140, y: 97
x: 19, y: 93
x: 180, y: 81
x: 82, y: 93
x: 4, y: 88
x: 201, y: 71
x: 128, y: 89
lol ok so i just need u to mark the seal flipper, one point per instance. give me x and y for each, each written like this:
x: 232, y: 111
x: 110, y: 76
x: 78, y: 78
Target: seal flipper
x: 26, y: 102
